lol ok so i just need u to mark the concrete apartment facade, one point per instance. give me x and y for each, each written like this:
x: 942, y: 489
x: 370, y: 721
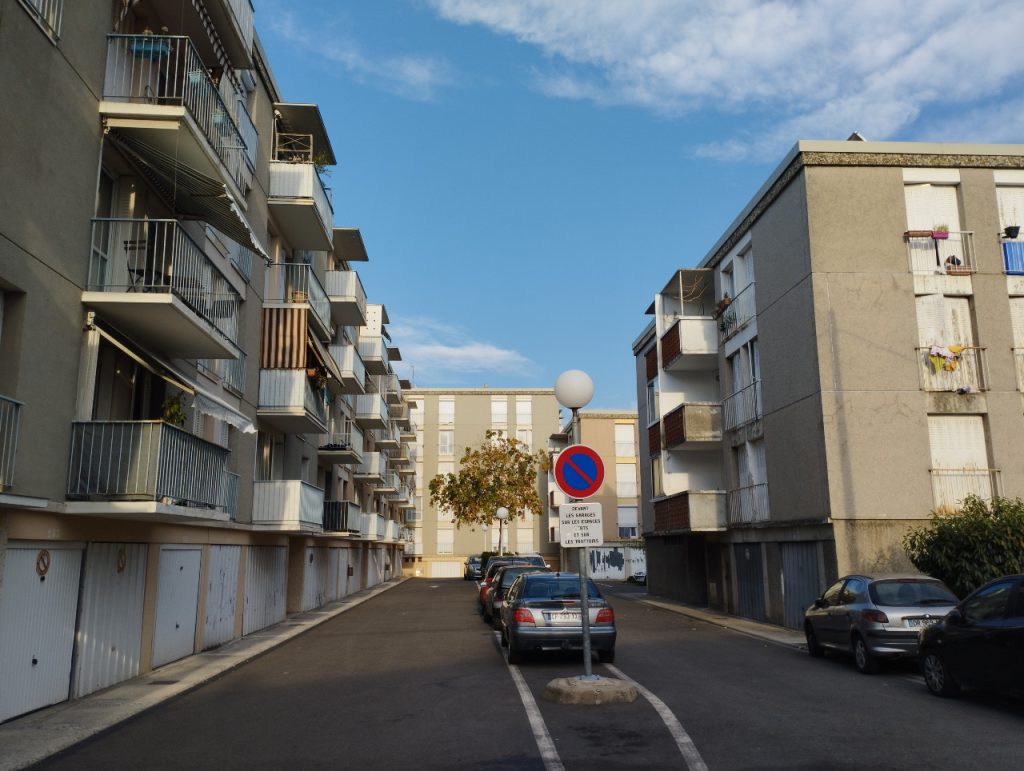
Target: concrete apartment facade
x: 200, y: 429
x: 612, y: 434
x: 845, y: 360
x: 449, y: 420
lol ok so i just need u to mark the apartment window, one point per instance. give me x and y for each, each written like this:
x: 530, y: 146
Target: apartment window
x: 928, y: 208
x: 653, y: 413
x: 524, y: 410
x: 445, y: 541
x: 625, y: 446
x: 445, y: 442
x: 960, y: 464
x: 525, y: 435
x: 656, y: 486
x: 416, y: 411
x: 47, y: 14
x: 627, y: 521
x: 446, y: 409
x: 625, y: 480
x: 499, y: 411
x: 524, y: 541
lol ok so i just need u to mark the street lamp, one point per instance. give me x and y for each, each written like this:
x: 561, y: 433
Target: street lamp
x: 502, y: 515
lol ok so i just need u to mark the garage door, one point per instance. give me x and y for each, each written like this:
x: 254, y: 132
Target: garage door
x: 446, y: 569
x: 177, y: 603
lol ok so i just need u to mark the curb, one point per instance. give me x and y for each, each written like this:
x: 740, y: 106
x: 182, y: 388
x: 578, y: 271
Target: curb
x: 50, y: 730
x: 767, y: 632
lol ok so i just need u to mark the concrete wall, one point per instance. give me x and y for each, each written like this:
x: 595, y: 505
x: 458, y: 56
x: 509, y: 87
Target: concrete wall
x: 598, y: 431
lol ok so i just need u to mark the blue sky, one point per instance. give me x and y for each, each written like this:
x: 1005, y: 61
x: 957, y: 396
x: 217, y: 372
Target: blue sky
x: 526, y: 174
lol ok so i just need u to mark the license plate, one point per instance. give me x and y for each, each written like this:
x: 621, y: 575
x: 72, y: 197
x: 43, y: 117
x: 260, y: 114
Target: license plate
x: 563, y: 617
x: 918, y: 623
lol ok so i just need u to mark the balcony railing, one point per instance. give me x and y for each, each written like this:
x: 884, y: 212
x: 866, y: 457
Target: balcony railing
x: 288, y: 503
x: 372, y: 349
x: 951, y: 486
x: 230, y: 371
x: 738, y: 313
x: 289, y: 389
x: 748, y: 504
x: 688, y: 336
x: 47, y: 13
x: 345, y: 286
x: 146, y: 460
x: 1018, y: 358
x: 742, y: 407
x: 293, y: 148
x: 371, y: 409
x: 167, y: 70
x: 950, y: 255
x: 692, y: 423
x: 243, y: 13
x: 143, y: 255
x: 392, y: 530
x: 943, y: 369
x: 302, y: 286
x: 10, y: 421
x: 372, y: 526
x: 229, y: 494
x: 297, y: 181
x: 341, y: 516
x: 344, y: 438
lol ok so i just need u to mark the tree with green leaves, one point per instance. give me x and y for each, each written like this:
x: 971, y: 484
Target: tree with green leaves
x: 984, y: 540
x: 500, y: 472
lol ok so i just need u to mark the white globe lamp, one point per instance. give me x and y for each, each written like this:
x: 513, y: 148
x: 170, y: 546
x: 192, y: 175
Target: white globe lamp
x: 574, y: 389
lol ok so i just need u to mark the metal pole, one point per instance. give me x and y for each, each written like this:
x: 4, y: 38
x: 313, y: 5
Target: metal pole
x: 588, y: 673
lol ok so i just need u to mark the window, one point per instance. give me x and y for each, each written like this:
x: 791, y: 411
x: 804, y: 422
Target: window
x: 446, y: 467
x: 47, y: 14
x: 627, y: 521
x: 524, y: 411
x: 833, y: 593
x: 990, y: 603
x: 416, y: 412
x: 445, y: 541
x: 499, y: 411
x: 653, y: 413
x: 446, y: 409
x: 625, y: 480
x: 525, y: 435
x: 656, y: 485
x: 928, y: 207
x: 854, y: 591
x: 625, y: 446
x: 445, y: 442
x: 524, y: 540
x: 959, y: 455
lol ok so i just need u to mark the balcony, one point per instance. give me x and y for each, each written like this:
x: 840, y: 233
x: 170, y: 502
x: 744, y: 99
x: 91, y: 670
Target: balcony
x: 386, y: 438
x: 344, y: 445
x: 742, y: 407
x: 402, y: 415
x: 693, y: 426
x: 951, y: 486
x: 691, y: 511
x: 287, y: 402
x: 954, y: 368
x: 748, y: 505
x: 347, y: 296
x: 691, y: 343
x: 392, y: 531
x: 374, y: 354
x: 158, y: 92
x: 373, y: 469
x: 341, y: 517
x: 654, y: 438
x: 287, y: 504
x: 295, y: 283
x: 298, y: 197
x: 390, y: 485
x: 149, y: 461
x: 391, y: 389
x: 372, y: 527
x: 735, y: 314
x: 154, y: 282
x: 10, y: 421
x: 234, y: 21
x: 371, y: 411
x: 950, y: 254
x: 353, y: 373
x: 403, y: 498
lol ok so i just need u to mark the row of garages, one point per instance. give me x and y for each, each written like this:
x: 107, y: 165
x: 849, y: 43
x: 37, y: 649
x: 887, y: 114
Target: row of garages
x: 79, y: 617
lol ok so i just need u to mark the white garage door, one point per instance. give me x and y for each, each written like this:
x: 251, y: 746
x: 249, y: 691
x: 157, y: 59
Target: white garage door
x: 446, y: 569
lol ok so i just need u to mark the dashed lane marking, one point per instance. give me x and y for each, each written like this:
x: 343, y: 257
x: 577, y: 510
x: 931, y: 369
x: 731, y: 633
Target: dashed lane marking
x: 545, y: 744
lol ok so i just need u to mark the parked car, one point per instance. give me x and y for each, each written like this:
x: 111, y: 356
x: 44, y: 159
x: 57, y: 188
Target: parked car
x: 472, y: 568
x: 541, y: 612
x: 639, y: 577
x: 499, y: 585
x: 492, y: 567
x: 980, y: 642
x: 875, y: 617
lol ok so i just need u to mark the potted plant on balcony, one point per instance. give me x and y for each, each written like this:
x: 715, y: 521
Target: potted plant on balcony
x: 173, y: 410
x: 724, y: 303
x: 940, y: 232
x: 1010, y: 232
x: 727, y: 322
x: 148, y: 46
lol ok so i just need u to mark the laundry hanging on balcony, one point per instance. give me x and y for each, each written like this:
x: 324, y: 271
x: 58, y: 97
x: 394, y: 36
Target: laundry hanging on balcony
x: 192, y: 194
x: 945, y: 358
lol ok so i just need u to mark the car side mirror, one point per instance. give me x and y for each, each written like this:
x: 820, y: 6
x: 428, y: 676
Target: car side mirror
x: 955, y: 616
x: 820, y: 603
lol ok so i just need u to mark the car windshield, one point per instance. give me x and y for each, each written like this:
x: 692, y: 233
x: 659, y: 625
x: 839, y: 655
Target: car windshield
x: 555, y: 587
x: 474, y: 560
x: 904, y: 593
x: 511, y: 574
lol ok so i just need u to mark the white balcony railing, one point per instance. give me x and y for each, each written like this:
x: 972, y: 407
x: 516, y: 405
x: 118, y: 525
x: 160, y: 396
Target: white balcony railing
x: 739, y: 312
x: 951, y: 486
x: 742, y: 407
x: 168, y: 70
x: 288, y: 389
x: 47, y: 13
x: 950, y: 255
x: 302, y: 286
x: 945, y: 370
x: 347, y: 286
x: 146, y: 460
x: 230, y: 371
x: 243, y: 12
x: 10, y: 421
x: 373, y: 349
x: 748, y: 504
x: 288, y: 503
x: 298, y: 181
x: 371, y: 407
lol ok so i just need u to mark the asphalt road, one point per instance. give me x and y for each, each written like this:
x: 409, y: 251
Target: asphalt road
x: 415, y: 680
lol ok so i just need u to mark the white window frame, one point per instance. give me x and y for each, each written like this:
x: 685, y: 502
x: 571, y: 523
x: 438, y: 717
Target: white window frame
x: 524, y: 411
x: 446, y: 410
x: 446, y: 449
x: 625, y: 480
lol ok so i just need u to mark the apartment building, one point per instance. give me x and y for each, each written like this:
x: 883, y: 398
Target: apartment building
x: 446, y: 422
x: 191, y: 443
x: 844, y: 360
x: 612, y: 434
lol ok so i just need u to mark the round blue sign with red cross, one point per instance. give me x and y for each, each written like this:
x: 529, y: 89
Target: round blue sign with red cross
x: 579, y: 472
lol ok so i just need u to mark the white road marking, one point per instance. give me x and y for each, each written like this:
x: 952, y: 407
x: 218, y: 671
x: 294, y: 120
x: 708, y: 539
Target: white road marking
x: 545, y: 744
x: 694, y: 761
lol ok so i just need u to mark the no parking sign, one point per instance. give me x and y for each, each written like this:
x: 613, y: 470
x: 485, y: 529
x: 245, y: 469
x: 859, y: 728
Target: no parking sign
x: 579, y: 472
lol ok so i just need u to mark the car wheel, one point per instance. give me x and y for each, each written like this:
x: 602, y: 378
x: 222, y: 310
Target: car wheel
x: 866, y: 661
x: 512, y: 656
x: 813, y: 646
x: 606, y: 657
x: 487, y: 617
x: 937, y: 677
x: 502, y: 638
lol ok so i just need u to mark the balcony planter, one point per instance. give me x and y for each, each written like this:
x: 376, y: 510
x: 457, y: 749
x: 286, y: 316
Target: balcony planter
x: 940, y: 233
x: 154, y: 49
x: 1010, y: 232
x: 724, y: 303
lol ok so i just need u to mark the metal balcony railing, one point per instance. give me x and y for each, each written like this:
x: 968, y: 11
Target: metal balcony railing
x: 146, y: 460
x: 742, y: 407
x: 945, y: 370
x: 371, y: 407
x: 10, y: 421
x: 302, y: 286
x: 229, y: 494
x: 293, y: 148
x: 373, y: 349
x: 143, y: 255
x: 951, y: 486
x: 748, y: 504
x: 341, y: 516
x: 347, y: 285
x: 344, y: 434
x: 739, y: 312
x: 230, y: 371
x: 243, y: 13
x: 294, y: 180
x: 288, y: 388
x: 930, y: 253
x: 288, y: 502
x: 167, y: 70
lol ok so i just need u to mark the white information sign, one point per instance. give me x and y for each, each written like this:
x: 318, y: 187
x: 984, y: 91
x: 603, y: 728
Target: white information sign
x: 580, y: 524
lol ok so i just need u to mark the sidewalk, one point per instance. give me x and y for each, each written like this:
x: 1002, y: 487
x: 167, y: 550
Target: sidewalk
x: 769, y: 632
x: 31, y: 738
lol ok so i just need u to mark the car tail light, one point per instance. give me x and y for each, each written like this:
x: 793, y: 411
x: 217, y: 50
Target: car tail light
x: 605, y: 616
x: 874, y: 615
x: 523, y: 616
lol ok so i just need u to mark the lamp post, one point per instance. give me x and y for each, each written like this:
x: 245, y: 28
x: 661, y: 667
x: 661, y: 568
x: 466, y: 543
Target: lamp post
x: 487, y: 543
x: 502, y: 515
x: 574, y: 389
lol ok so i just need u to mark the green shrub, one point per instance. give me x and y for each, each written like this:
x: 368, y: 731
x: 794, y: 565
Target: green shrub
x: 967, y: 549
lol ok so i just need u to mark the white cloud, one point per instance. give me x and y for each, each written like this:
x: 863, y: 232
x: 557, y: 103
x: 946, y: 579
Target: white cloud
x: 438, y: 353
x: 412, y: 77
x: 781, y: 69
